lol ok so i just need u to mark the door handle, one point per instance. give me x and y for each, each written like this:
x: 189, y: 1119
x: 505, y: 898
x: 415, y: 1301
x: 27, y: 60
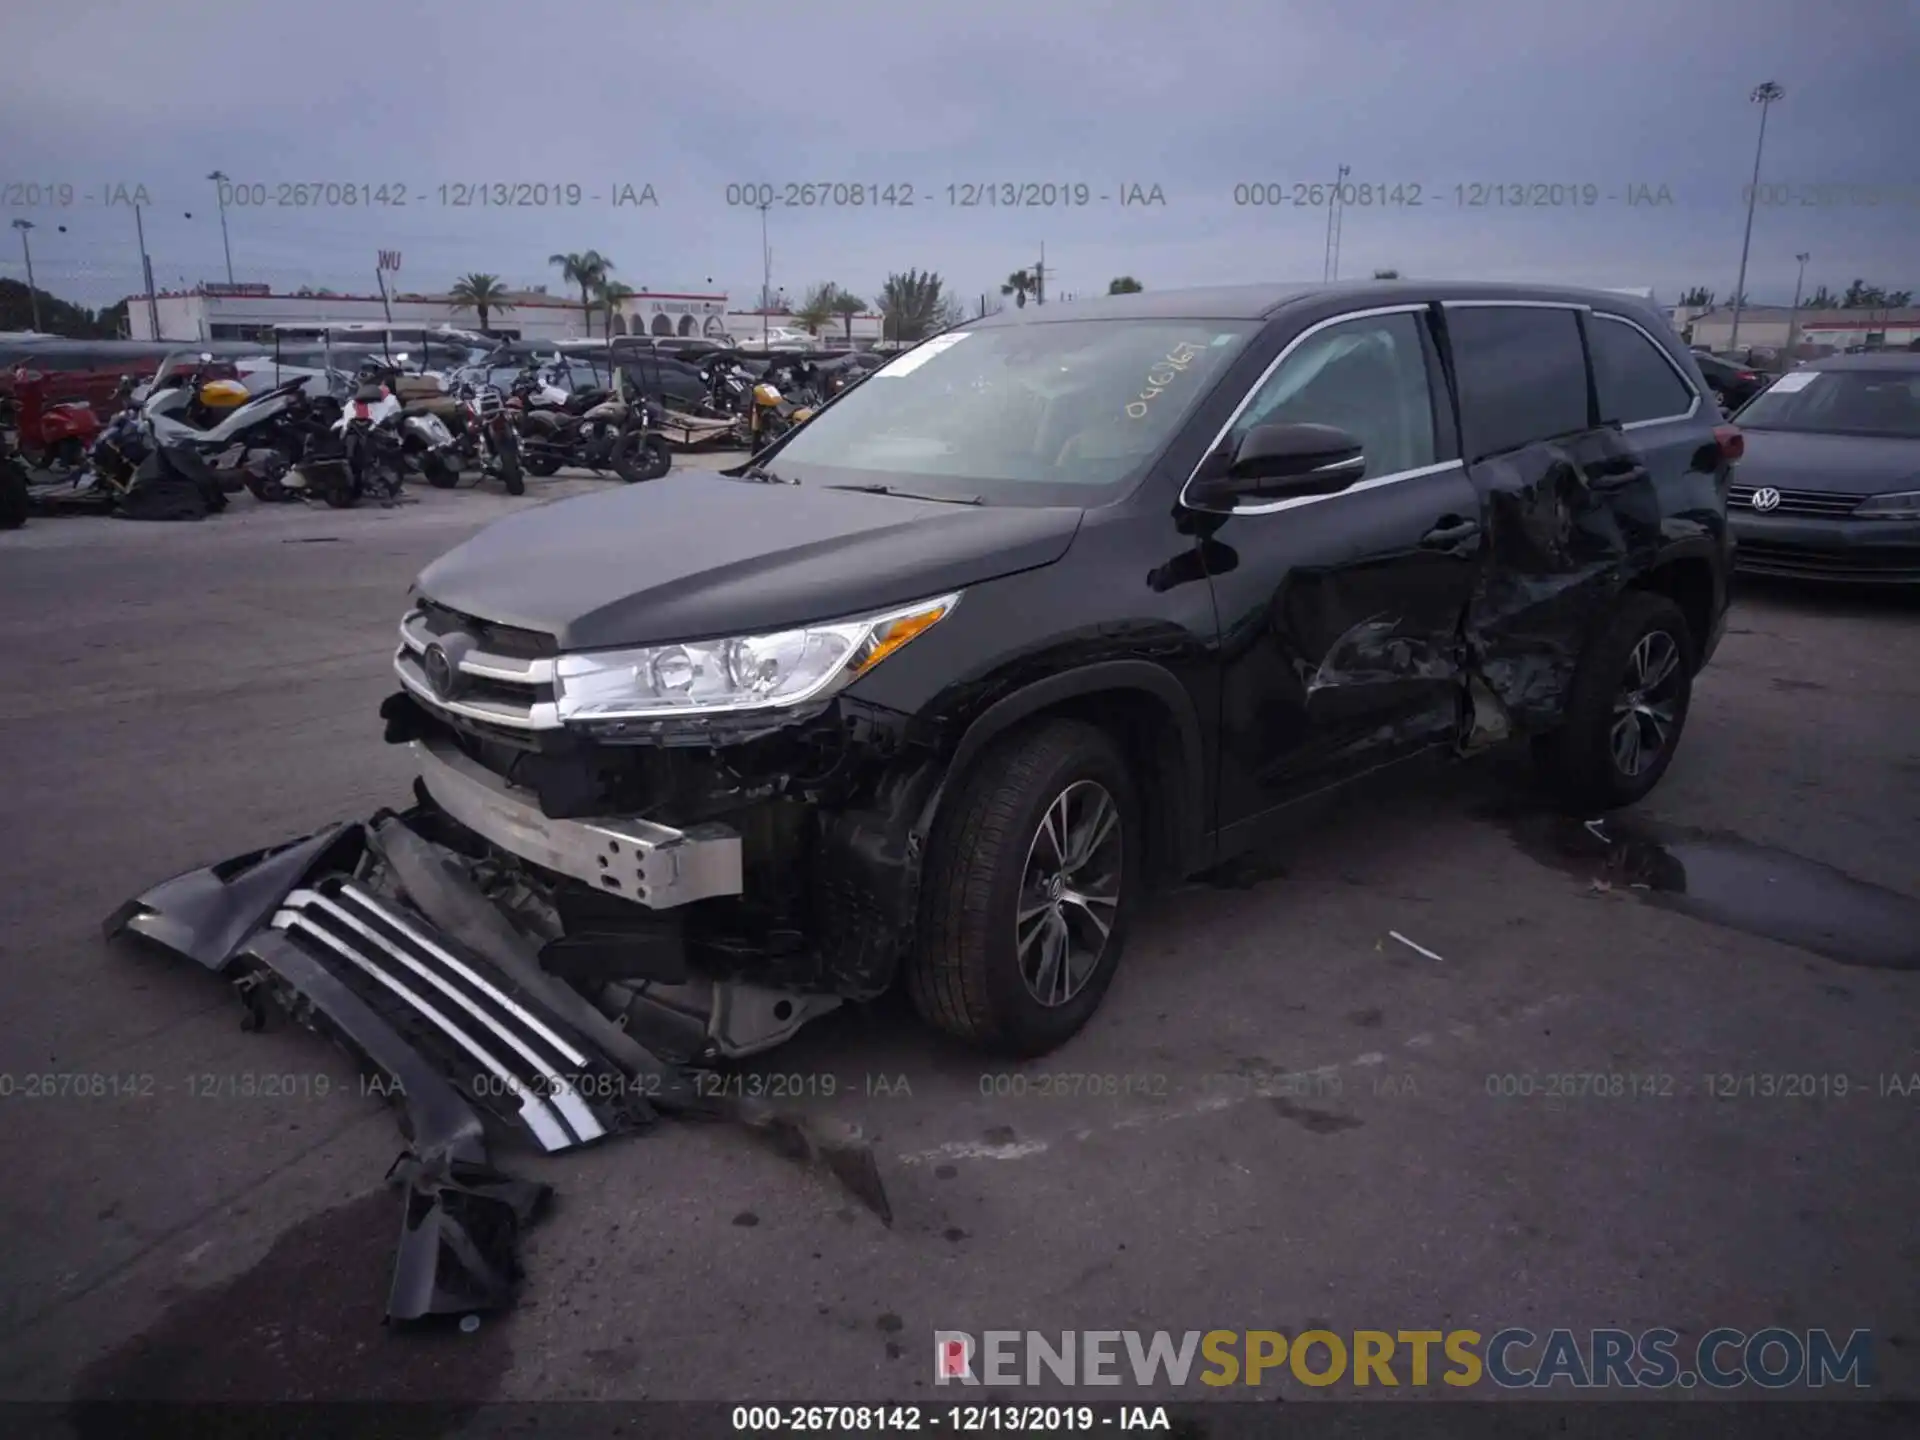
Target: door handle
x: 1449, y: 533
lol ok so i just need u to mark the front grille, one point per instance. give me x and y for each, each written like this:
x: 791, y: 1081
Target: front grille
x: 506, y: 679
x: 510, y: 1048
x: 1766, y: 557
x: 1819, y: 503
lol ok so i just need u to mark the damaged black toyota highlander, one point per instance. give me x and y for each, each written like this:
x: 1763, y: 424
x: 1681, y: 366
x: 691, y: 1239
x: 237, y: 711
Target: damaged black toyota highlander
x: 1053, y: 608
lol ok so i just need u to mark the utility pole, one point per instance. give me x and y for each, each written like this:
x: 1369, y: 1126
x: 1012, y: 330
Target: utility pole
x: 1763, y: 95
x: 1040, y: 277
x: 1331, y: 263
x: 219, y: 178
x: 33, y: 293
x: 766, y: 273
x: 146, y: 271
x: 1793, y: 324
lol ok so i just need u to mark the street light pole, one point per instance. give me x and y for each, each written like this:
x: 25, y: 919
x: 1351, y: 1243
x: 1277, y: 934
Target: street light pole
x: 1328, y: 263
x: 1793, y: 323
x: 33, y: 293
x: 219, y: 179
x: 146, y: 272
x: 1763, y: 95
x: 766, y: 273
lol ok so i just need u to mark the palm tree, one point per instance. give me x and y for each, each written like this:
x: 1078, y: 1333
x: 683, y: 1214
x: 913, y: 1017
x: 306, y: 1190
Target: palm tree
x: 914, y: 305
x: 481, y: 293
x: 585, y: 269
x: 1020, y: 284
x: 610, y: 293
x: 817, y: 309
x: 847, y: 305
x: 1125, y: 285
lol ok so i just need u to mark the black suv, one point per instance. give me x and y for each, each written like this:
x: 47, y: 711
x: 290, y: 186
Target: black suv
x: 1055, y: 607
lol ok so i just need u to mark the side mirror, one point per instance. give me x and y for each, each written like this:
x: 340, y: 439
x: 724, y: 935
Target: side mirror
x: 1277, y: 462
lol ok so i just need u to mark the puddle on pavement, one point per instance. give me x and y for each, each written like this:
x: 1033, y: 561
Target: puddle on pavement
x: 304, y: 1324
x: 1732, y: 882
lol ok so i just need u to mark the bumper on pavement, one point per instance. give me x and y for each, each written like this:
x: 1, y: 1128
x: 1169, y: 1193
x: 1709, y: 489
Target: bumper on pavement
x: 1864, y: 551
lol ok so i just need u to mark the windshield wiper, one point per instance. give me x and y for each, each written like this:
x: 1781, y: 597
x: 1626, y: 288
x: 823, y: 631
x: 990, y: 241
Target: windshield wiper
x: 909, y: 495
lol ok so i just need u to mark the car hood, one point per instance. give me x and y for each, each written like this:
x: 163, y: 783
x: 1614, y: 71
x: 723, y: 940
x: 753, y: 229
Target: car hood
x: 695, y: 555
x: 1836, y: 464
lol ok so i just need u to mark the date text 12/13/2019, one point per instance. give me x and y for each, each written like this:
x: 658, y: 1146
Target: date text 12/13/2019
x: 1467, y: 195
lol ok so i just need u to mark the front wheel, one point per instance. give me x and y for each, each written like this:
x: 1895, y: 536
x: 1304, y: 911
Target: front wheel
x: 1625, y: 709
x: 1030, y: 883
x: 641, y: 457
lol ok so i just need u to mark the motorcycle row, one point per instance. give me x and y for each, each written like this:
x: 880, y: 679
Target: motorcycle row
x: 177, y: 446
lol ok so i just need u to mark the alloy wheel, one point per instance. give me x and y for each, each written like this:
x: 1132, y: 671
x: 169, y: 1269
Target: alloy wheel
x: 1069, y: 892
x: 1645, y: 707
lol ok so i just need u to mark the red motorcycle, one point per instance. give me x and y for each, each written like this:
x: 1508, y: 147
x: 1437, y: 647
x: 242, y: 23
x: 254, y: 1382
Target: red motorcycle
x: 52, y: 433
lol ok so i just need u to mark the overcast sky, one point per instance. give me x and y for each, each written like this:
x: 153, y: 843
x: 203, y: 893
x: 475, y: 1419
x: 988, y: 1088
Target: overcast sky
x: 1626, y: 96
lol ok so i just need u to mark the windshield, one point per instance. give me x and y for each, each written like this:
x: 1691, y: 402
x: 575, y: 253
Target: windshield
x: 1048, y: 413
x: 1839, y: 402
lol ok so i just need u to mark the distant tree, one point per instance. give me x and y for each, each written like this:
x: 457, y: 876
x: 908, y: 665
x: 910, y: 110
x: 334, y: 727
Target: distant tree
x: 1386, y: 274
x: 481, y: 293
x: 585, y: 268
x: 1125, y: 285
x: 1020, y: 284
x: 1862, y: 296
x: 608, y: 294
x: 1899, y: 298
x: 1822, y: 299
x: 1698, y: 298
x: 816, y: 310
x: 846, y: 305
x: 914, y: 304
x: 57, y: 316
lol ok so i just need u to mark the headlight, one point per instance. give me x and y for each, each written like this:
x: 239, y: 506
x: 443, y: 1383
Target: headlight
x: 1902, y: 505
x: 746, y: 673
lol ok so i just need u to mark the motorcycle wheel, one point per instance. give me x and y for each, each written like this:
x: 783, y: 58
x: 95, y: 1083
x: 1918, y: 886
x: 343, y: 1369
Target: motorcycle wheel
x: 14, y: 499
x: 441, y: 474
x: 341, y: 494
x: 641, y: 457
x: 510, y: 475
x: 542, y: 465
x: 268, y: 487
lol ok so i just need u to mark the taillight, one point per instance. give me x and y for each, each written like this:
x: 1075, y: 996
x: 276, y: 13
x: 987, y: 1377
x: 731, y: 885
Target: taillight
x: 1733, y: 444
x: 1748, y: 376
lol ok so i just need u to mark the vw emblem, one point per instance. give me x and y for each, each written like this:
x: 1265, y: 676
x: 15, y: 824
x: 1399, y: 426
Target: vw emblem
x: 440, y: 671
x: 1765, y: 498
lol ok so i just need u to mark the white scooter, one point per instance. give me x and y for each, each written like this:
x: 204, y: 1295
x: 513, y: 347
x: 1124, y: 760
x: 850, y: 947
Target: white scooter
x: 250, y: 440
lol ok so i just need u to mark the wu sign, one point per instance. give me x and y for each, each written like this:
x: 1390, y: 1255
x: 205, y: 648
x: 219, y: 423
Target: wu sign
x: 390, y: 260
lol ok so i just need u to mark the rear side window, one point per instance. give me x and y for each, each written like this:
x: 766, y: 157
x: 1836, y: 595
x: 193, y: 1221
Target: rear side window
x: 1523, y: 375
x: 1634, y: 379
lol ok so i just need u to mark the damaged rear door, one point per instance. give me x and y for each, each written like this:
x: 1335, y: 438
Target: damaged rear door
x: 1570, y: 503
x: 1340, y: 613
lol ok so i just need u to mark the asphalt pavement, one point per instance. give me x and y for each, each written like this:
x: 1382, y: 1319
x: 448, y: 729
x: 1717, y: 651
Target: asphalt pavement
x: 1298, y: 1107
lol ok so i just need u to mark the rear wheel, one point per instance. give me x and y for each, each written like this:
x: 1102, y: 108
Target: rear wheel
x: 542, y: 465
x: 641, y: 457
x: 15, y: 501
x: 1626, y: 708
x: 441, y: 473
x: 1030, y: 882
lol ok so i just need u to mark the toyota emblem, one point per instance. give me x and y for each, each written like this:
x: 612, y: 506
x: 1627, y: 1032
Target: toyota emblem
x: 1765, y: 498
x: 440, y: 672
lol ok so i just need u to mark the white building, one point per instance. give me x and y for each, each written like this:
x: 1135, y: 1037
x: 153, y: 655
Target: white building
x: 1886, y: 328
x: 238, y: 312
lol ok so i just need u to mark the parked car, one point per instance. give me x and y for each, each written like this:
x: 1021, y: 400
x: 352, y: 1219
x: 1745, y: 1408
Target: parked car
x: 1830, y: 485
x: 1052, y: 609
x: 1732, y: 384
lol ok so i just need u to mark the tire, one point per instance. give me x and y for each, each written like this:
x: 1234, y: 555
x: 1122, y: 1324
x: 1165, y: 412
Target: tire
x: 964, y: 973
x: 510, y: 475
x: 541, y: 465
x: 341, y: 495
x: 441, y: 474
x: 15, y: 500
x: 1579, y: 760
x: 638, y: 458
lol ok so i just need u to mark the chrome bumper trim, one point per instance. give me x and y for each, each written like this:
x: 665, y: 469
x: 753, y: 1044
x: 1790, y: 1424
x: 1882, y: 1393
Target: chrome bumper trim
x: 652, y: 865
